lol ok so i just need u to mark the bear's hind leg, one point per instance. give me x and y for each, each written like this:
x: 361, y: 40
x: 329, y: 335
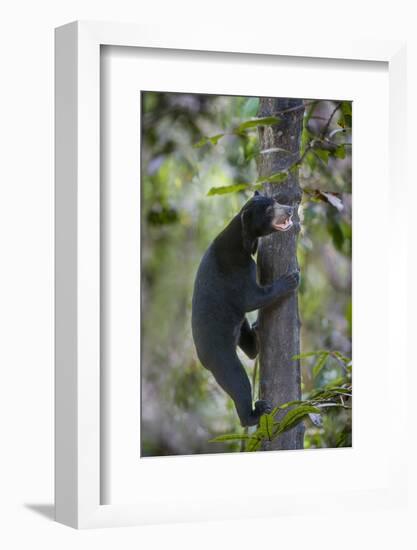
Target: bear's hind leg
x: 248, y: 340
x: 232, y: 377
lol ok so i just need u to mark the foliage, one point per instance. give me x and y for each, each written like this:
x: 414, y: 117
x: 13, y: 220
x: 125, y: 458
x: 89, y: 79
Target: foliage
x: 332, y: 396
x: 239, y: 130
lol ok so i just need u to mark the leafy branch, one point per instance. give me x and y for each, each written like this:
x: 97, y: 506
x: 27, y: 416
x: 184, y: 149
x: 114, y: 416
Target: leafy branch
x: 321, y: 146
x: 334, y: 395
x: 252, y: 124
x: 240, y: 130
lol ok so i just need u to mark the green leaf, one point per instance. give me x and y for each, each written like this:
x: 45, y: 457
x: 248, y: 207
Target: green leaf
x: 294, y: 417
x: 311, y: 161
x: 223, y: 190
x: 342, y: 391
x: 340, y: 152
x: 318, y: 367
x: 266, y: 425
x: 306, y: 137
x: 335, y: 383
x: 274, y: 411
x: 277, y: 177
x: 341, y: 121
x: 229, y: 437
x: 347, y: 107
x: 254, y: 443
x: 323, y: 154
x: 215, y: 139
x: 344, y: 438
x: 249, y: 124
x: 208, y: 139
x: 310, y: 354
x: 345, y: 119
x: 341, y: 356
x: 290, y: 404
x: 294, y: 168
x: 250, y: 107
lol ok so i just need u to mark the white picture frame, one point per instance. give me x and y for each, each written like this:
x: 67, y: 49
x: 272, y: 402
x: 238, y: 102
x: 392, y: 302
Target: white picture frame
x: 78, y: 406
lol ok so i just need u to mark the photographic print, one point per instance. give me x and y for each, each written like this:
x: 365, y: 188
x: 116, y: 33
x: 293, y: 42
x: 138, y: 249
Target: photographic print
x: 246, y: 245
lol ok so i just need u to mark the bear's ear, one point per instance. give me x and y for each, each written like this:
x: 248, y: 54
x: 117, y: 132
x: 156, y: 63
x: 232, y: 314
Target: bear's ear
x: 256, y: 194
x: 250, y: 244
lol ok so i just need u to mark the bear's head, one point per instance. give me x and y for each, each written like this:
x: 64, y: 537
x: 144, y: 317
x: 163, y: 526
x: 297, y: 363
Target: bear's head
x: 262, y: 216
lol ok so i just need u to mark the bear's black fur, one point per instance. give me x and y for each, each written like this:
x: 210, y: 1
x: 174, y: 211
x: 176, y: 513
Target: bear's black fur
x: 226, y: 289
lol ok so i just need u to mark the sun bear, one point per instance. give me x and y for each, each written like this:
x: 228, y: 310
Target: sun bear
x: 226, y: 288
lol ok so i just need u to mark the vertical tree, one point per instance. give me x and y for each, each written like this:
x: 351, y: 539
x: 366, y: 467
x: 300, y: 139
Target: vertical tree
x: 279, y: 325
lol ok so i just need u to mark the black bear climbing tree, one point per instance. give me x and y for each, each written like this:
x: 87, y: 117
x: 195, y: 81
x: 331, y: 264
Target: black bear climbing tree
x: 203, y: 158
x: 279, y: 325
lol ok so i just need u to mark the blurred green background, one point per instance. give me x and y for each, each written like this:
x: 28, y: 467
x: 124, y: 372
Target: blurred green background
x: 182, y: 406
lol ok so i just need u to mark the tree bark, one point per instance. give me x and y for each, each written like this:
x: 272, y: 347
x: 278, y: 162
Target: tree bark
x: 279, y: 325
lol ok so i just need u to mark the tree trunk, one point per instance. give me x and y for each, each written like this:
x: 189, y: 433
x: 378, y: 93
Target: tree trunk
x: 279, y: 325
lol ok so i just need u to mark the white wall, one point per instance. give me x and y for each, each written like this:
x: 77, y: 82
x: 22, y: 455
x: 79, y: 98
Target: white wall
x: 26, y: 270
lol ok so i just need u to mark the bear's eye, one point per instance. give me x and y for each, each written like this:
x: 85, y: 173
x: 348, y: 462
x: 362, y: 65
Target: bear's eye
x: 269, y: 209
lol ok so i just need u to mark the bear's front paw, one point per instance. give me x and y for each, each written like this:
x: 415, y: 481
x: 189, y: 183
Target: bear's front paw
x: 289, y: 281
x: 262, y: 407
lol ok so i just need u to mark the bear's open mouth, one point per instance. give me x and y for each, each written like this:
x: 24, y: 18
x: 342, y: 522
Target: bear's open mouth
x: 283, y: 226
